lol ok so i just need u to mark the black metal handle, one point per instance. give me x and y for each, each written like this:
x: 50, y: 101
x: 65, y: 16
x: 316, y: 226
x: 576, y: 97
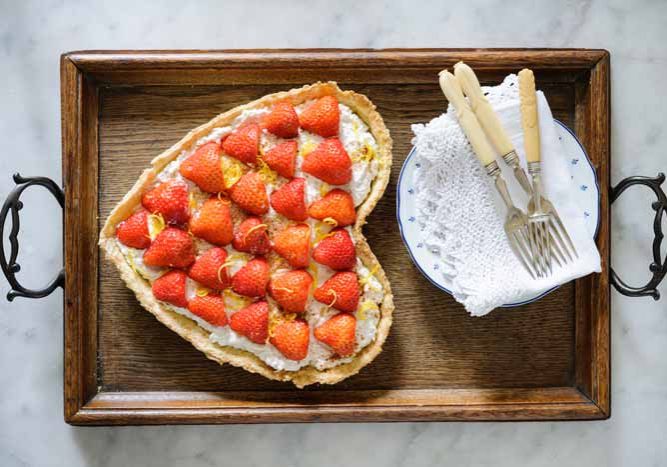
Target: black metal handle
x: 658, y: 267
x: 14, y: 204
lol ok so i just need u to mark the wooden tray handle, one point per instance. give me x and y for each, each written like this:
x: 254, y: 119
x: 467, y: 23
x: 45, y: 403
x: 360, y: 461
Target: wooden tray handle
x: 658, y: 267
x: 14, y: 204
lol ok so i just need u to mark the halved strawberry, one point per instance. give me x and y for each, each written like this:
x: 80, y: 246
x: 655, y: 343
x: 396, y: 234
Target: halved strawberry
x: 290, y: 289
x: 336, y: 250
x: 282, y: 120
x: 170, y: 288
x: 340, y: 291
x: 322, y: 117
x: 329, y: 162
x: 291, y: 338
x: 133, y: 231
x: 250, y: 194
x: 251, y: 280
x: 203, y: 168
x: 290, y: 200
x: 252, y: 236
x: 213, y: 222
x: 337, y: 205
x: 209, y: 269
x: 282, y: 158
x: 293, y: 244
x: 210, y: 308
x: 339, y: 333
x: 243, y: 143
x: 171, y: 248
x: 252, y: 322
x: 169, y: 199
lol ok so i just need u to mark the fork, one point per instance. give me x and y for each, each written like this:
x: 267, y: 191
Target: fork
x: 547, y: 234
x: 516, y: 221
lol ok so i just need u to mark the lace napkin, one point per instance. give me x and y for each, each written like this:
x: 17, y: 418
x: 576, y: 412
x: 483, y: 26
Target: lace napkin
x: 461, y: 216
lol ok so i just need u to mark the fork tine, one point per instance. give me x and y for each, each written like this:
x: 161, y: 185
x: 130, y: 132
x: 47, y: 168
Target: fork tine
x: 519, y: 240
x: 519, y: 255
x: 533, y: 248
x: 554, y: 215
x: 543, y: 229
x: 559, y: 239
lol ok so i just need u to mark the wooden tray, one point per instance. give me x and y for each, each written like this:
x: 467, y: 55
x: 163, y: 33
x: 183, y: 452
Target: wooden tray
x: 546, y: 360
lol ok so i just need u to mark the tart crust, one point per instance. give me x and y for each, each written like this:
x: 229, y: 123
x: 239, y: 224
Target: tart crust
x: 198, y: 336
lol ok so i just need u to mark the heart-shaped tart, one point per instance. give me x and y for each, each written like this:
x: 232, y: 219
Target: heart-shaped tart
x: 245, y: 236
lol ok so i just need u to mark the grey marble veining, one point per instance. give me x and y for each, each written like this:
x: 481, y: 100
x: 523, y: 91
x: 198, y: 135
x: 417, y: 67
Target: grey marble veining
x: 32, y: 36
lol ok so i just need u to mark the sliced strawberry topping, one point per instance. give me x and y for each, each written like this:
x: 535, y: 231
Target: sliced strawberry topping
x: 204, y: 169
x: 252, y: 322
x: 169, y: 199
x: 293, y: 244
x: 210, y: 308
x: 133, y: 231
x: 213, y: 222
x: 170, y: 288
x: 250, y: 194
x: 329, y: 162
x: 322, y: 117
x: 282, y: 158
x: 243, y: 143
x: 291, y: 338
x: 339, y: 333
x: 251, y: 280
x: 340, y: 291
x: 290, y: 289
x: 282, y: 120
x: 336, y: 250
x: 290, y: 200
x: 171, y: 248
x: 337, y: 205
x: 209, y: 269
x: 252, y: 236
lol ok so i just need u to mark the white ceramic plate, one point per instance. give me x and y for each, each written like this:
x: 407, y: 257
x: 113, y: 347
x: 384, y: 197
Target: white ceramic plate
x: 581, y: 171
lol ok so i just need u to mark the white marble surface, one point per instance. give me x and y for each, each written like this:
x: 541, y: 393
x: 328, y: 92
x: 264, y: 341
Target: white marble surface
x: 32, y: 36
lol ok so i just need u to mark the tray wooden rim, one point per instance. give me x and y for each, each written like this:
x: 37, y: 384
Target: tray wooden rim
x: 84, y: 72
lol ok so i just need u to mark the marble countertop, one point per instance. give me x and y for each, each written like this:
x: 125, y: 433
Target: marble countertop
x: 32, y: 36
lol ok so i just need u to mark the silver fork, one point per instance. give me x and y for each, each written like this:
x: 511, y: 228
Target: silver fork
x: 516, y: 221
x: 547, y: 234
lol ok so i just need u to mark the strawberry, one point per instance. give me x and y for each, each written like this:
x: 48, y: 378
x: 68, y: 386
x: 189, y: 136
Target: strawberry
x: 243, y: 143
x: 322, y: 117
x: 169, y: 199
x: 170, y: 288
x: 290, y: 289
x: 171, y: 248
x: 291, y: 339
x: 250, y: 194
x: 203, y: 168
x: 251, y: 236
x: 213, y: 222
x: 337, y: 205
x: 339, y: 333
x: 252, y: 322
x: 293, y: 244
x: 210, y: 308
x: 251, y: 280
x: 282, y: 158
x: 329, y: 162
x: 336, y: 250
x: 340, y: 291
x: 283, y: 120
x: 209, y: 269
x: 133, y: 231
x: 290, y: 200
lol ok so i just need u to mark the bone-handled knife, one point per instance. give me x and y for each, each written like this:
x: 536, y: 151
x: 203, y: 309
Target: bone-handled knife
x: 490, y: 122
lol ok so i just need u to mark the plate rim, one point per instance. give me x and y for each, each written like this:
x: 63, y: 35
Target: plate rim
x: 444, y: 289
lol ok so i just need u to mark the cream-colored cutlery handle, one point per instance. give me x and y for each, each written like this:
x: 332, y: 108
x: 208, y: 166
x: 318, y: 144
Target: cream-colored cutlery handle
x: 480, y: 105
x: 531, y: 129
x: 471, y: 127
